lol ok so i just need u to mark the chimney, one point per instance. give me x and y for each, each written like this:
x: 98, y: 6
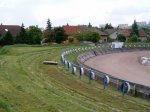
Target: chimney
x: 1, y: 24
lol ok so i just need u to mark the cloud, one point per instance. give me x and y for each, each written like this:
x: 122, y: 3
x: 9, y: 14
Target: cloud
x: 60, y: 12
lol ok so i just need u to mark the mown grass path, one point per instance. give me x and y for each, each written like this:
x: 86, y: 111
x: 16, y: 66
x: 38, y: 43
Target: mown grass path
x: 27, y: 85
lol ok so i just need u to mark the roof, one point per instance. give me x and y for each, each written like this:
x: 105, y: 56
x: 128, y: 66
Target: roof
x: 110, y: 31
x: 14, y: 29
x: 125, y: 32
x: 142, y: 33
x: 94, y: 30
x: 102, y: 33
x: 70, y: 30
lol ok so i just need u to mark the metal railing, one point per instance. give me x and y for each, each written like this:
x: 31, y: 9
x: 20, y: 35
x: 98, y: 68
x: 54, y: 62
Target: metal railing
x: 136, y: 89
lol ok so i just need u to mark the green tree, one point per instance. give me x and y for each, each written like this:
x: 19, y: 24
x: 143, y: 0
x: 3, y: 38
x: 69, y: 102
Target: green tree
x: 88, y: 36
x: 135, y: 30
x: 71, y: 40
x: 60, y: 35
x: 1, y: 40
x: 121, y: 38
x: 49, y: 33
x: 35, y: 35
x: 95, y: 37
x: 108, y: 26
x: 22, y: 37
x: 109, y: 39
x: 49, y: 25
x: 89, y: 25
x: 8, y: 39
x: 133, y: 39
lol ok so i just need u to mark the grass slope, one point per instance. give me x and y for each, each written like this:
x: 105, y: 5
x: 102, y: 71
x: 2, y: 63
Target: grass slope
x: 26, y: 85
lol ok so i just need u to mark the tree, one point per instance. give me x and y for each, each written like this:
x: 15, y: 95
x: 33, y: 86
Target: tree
x: 95, y: 37
x: 71, y: 40
x: 1, y: 40
x: 133, y: 39
x: 60, y: 35
x: 49, y: 25
x: 8, y: 39
x: 108, y: 26
x: 135, y: 30
x: 35, y: 35
x: 88, y: 36
x: 49, y: 33
x: 22, y: 37
x: 109, y: 39
x: 89, y: 25
x: 121, y: 38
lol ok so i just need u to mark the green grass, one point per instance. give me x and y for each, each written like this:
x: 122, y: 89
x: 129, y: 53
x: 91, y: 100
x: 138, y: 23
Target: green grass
x: 27, y: 85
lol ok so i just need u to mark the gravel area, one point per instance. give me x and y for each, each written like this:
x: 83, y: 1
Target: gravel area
x: 123, y: 65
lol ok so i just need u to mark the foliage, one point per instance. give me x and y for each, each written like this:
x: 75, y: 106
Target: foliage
x: 49, y: 32
x: 8, y: 39
x: 135, y: 30
x: 109, y: 39
x: 89, y: 25
x: 121, y: 38
x: 147, y: 30
x: 22, y: 37
x: 88, y: 36
x: 108, y: 26
x: 49, y: 25
x: 35, y: 35
x: 59, y: 34
x: 133, y: 39
x: 49, y: 36
x: 71, y: 40
x: 30, y: 86
x: 1, y: 40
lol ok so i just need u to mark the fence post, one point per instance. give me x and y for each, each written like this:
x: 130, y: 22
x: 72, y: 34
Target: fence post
x: 134, y: 90
x: 117, y: 84
x: 123, y: 89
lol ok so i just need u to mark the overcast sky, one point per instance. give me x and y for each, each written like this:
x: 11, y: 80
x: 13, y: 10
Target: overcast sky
x: 73, y: 12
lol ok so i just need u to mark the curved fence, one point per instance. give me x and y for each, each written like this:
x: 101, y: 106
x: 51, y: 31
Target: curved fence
x: 135, y: 89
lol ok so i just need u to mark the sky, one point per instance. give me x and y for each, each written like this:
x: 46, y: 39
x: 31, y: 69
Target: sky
x: 73, y: 12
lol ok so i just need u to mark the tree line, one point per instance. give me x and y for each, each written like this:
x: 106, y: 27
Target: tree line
x: 34, y: 35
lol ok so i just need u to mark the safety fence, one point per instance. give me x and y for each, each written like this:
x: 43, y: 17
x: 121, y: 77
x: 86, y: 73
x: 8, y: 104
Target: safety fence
x: 105, y: 79
x: 136, y: 45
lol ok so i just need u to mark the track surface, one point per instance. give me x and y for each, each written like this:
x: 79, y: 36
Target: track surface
x: 123, y: 65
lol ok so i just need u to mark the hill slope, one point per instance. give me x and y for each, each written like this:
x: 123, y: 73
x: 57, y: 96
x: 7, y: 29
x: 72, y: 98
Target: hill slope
x: 26, y: 85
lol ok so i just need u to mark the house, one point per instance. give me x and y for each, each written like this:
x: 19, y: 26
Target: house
x: 142, y: 35
x: 14, y: 29
x: 72, y: 30
x: 103, y: 35
x: 113, y: 33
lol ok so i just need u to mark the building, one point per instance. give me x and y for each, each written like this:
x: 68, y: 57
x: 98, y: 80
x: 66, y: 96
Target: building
x: 142, y: 24
x: 123, y: 26
x: 113, y: 33
x: 14, y: 29
x: 72, y: 30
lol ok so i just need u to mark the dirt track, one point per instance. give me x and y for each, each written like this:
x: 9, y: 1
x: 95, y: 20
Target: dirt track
x: 123, y: 65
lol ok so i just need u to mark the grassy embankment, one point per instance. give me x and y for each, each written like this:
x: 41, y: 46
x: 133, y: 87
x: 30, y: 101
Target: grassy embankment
x: 26, y: 85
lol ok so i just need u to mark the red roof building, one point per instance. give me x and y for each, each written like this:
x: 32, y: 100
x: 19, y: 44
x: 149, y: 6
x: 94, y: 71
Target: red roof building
x: 71, y: 30
x: 14, y: 29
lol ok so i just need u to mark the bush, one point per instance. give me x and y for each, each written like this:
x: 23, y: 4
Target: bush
x: 88, y: 36
x: 133, y: 39
x: 71, y: 40
x: 121, y: 38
